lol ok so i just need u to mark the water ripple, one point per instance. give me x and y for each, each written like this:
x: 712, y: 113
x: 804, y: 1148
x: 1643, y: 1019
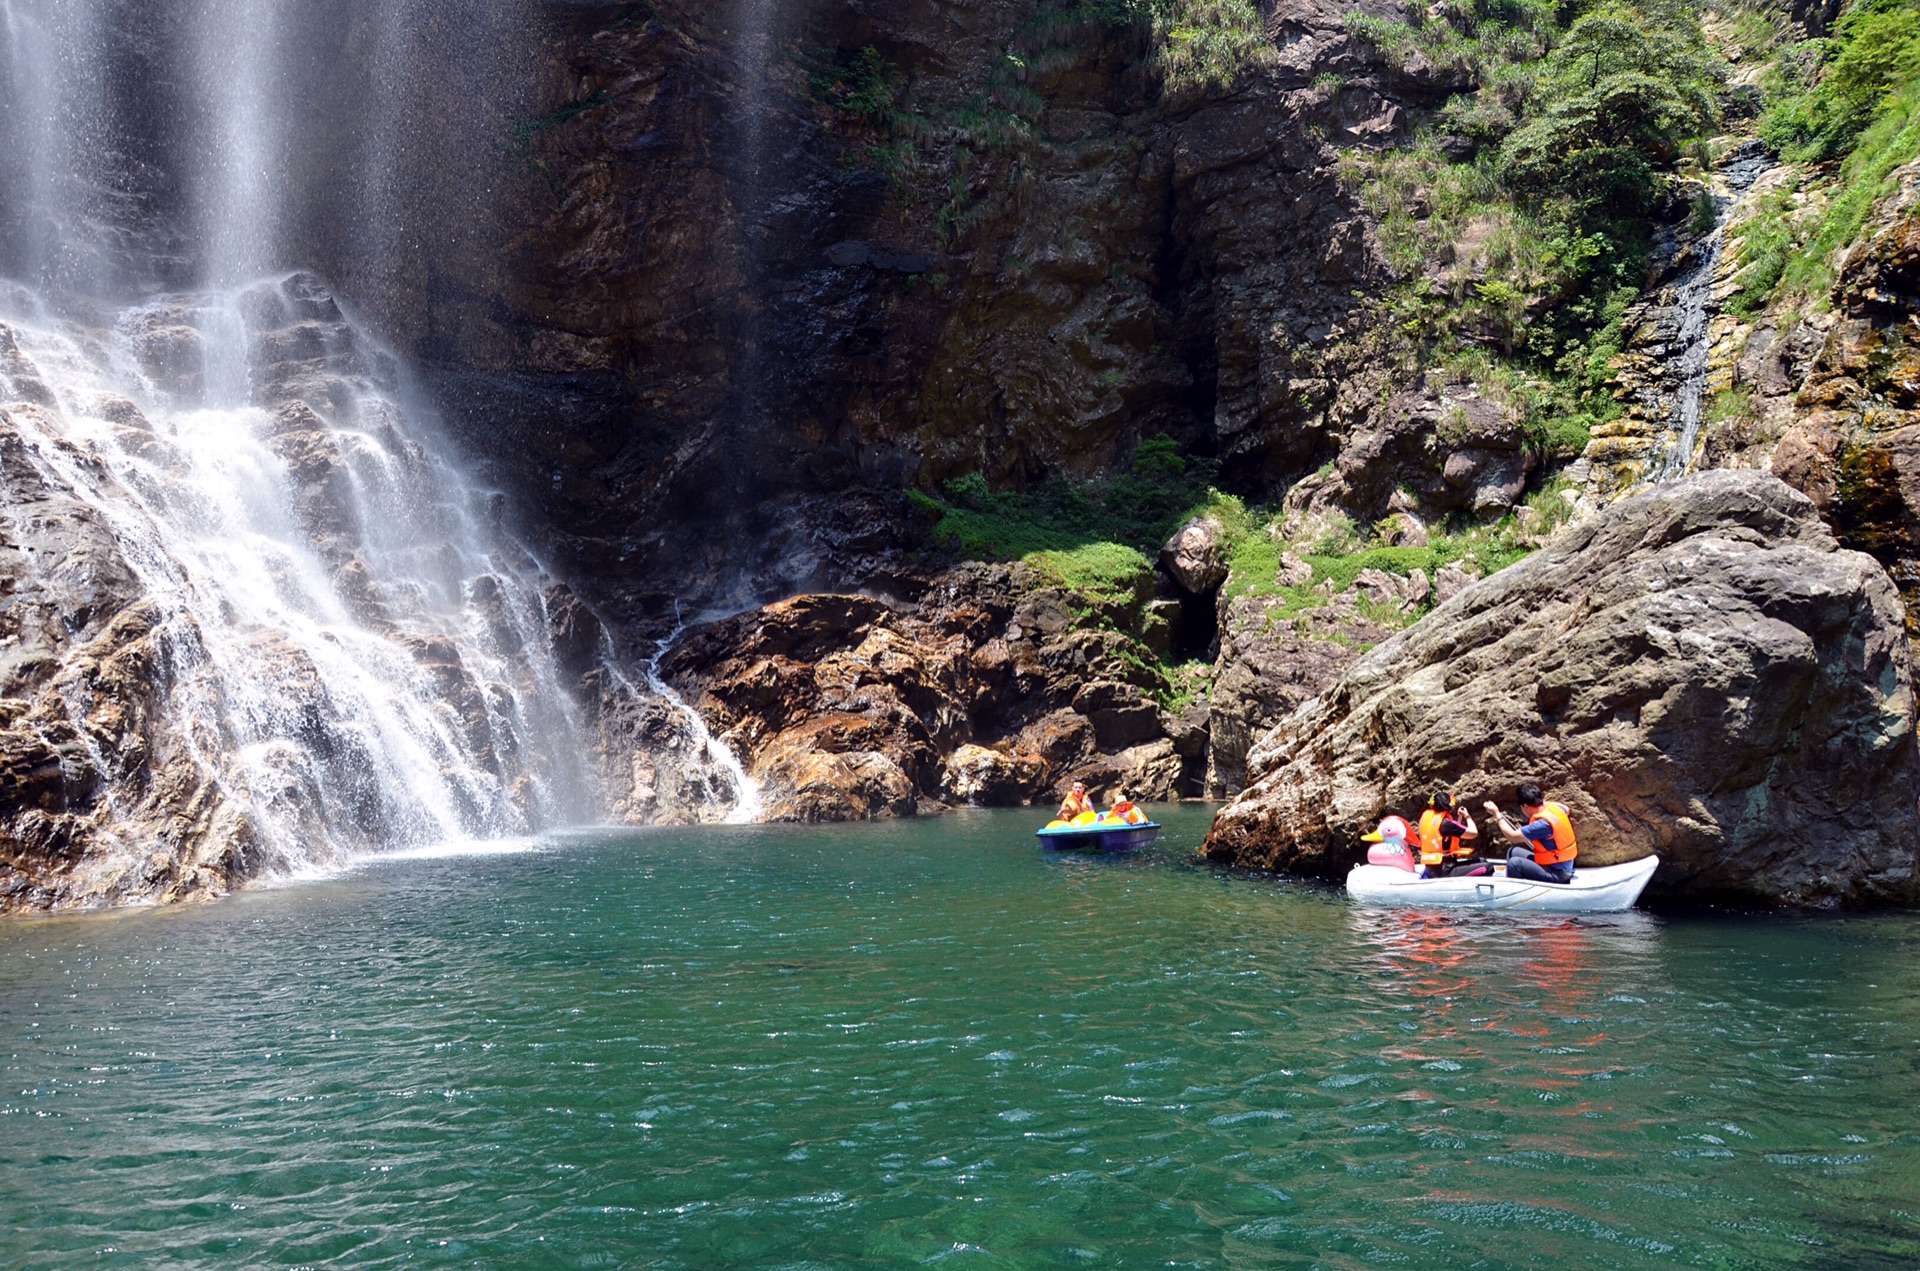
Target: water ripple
x: 883, y: 1046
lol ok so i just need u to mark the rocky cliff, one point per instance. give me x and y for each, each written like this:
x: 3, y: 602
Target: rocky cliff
x: 879, y: 245
x: 1698, y: 671
x: 784, y: 316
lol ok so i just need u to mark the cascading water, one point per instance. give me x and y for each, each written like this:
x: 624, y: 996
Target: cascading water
x: 250, y: 618
x: 346, y: 653
x: 1693, y: 308
x: 1693, y: 311
x: 734, y: 789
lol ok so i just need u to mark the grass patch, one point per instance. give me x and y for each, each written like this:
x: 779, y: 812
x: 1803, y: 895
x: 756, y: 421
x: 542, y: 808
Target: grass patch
x: 1107, y: 572
x: 1890, y: 143
x: 1065, y: 519
x: 1208, y: 43
x: 1853, y: 96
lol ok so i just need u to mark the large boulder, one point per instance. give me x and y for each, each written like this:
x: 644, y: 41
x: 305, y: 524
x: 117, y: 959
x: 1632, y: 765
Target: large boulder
x: 1195, y: 557
x: 985, y: 777
x: 1699, y: 672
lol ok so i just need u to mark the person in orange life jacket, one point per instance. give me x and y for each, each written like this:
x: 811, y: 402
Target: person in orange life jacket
x: 1076, y: 802
x: 1447, y: 839
x: 1124, y: 809
x: 1544, y: 847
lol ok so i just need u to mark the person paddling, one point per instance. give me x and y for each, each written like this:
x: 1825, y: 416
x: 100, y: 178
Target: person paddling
x: 1448, y: 839
x: 1545, y: 846
x: 1125, y: 809
x: 1076, y: 803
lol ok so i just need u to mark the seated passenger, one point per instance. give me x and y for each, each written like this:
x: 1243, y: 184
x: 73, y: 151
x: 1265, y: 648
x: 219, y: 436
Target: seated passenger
x: 1124, y: 809
x: 1448, y: 839
x: 1076, y: 803
x: 1545, y: 846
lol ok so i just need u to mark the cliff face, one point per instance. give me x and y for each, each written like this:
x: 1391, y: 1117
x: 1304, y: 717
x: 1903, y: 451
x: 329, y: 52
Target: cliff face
x: 886, y: 244
x: 1698, y: 672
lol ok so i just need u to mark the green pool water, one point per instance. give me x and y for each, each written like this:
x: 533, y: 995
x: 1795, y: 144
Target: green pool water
x: 930, y: 1043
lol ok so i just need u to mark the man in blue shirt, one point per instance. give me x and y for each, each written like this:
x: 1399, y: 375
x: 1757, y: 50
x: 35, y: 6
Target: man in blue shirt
x: 1545, y: 846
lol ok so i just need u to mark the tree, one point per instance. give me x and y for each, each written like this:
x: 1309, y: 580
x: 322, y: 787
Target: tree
x: 1615, y: 100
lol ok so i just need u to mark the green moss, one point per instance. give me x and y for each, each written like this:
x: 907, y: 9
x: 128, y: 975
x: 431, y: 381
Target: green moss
x: 1106, y: 572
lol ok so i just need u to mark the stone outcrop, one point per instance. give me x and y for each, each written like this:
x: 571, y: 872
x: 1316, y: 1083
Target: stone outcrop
x: 994, y: 689
x: 1699, y: 672
x: 1853, y: 440
x: 1193, y: 557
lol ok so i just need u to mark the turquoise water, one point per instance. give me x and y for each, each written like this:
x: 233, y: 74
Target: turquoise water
x: 925, y: 1042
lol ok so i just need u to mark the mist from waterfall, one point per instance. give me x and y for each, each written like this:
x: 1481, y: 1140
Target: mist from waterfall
x: 347, y: 650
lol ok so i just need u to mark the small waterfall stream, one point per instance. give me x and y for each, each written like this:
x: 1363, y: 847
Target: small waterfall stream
x: 1694, y: 308
x: 1693, y: 305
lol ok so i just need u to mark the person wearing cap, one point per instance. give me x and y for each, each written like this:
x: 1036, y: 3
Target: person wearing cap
x: 1076, y: 803
x: 1124, y: 809
x: 1544, y: 847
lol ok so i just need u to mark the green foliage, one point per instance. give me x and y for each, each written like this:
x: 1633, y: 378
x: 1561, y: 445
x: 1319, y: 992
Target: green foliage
x: 1827, y: 93
x: 1203, y: 43
x: 1108, y: 572
x: 1064, y: 519
x: 1890, y: 143
x: 1615, y: 100
x: 1766, y: 247
x: 1786, y: 255
x: 1520, y: 258
x: 1338, y: 554
x: 859, y: 83
x: 1158, y: 458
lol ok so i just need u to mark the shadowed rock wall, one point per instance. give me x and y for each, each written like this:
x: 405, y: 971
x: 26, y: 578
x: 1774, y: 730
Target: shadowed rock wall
x: 736, y: 295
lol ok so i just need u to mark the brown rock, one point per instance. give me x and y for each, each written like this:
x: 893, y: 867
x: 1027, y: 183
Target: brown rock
x: 991, y: 778
x: 1698, y: 671
x: 1121, y: 714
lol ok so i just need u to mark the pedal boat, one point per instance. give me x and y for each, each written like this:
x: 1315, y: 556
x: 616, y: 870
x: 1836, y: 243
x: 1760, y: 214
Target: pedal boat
x: 1099, y: 836
x: 1606, y: 889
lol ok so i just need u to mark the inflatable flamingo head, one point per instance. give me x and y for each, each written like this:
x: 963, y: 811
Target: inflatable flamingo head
x: 1389, y: 845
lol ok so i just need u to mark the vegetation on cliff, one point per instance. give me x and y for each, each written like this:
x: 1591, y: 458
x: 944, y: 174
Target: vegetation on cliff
x: 1519, y: 217
x: 1851, y: 98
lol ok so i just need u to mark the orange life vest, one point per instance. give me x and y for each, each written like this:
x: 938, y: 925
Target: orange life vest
x: 1435, y: 847
x: 1075, y: 806
x: 1565, y: 846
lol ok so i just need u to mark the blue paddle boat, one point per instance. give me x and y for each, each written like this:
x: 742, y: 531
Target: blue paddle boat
x: 1099, y: 836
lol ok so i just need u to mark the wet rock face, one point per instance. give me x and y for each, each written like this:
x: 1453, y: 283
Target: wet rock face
x: 991, y: 690
x: 85, y: 749
x: 1699, y: 672
x: 729, y: 307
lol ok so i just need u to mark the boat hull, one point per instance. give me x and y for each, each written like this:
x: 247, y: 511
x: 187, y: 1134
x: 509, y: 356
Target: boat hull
x: 1100, y: 838
x: 1607, y: 889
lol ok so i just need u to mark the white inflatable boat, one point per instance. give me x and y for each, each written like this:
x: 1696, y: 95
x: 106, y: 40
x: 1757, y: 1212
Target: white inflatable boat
x: 1593, y: 891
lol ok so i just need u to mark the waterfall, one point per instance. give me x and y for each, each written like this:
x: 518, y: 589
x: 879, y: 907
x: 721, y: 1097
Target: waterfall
x: 347, y: 653
x: 253, y: 619
x: 1694, y: 306
x: 1693, y: 314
